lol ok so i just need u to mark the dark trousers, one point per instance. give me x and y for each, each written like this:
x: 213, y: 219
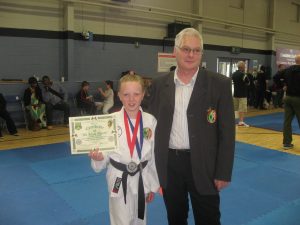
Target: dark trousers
x: 260, y: 97
x: 89, y: 107
x: 62, y: 106
x: 180, y: 185
x: 11, y: 127
x: 291, y: 108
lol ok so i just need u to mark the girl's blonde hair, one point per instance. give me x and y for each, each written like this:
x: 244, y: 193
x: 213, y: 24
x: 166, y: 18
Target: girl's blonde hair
x: 132, y: 78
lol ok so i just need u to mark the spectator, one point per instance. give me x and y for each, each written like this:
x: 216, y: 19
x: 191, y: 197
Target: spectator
x: 35, y: 108
x: 172, y: 68
x: 84, y: 100
x: 241, y: 83
x: 108, y: 95
x: 11, y: 127
x: 251, y: 90
x: 55, y: 98
x: 291, y: 102
x: 261, y: 88
x: 278, y: 81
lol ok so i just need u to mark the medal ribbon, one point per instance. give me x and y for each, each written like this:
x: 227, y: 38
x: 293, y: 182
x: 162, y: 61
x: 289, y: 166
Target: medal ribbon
x: 134, y: 140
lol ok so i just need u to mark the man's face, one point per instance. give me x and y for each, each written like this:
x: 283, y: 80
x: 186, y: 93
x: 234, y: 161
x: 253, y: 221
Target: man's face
x: 242, y: 67
x: 189, y: 54
x: 46, y: 82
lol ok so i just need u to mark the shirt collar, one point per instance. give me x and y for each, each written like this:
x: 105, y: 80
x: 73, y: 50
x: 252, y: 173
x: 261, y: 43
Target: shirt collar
x: 177, y: 81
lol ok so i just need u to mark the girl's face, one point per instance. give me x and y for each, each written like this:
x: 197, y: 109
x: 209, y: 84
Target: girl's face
x: 33, y: 85
x: 107, y: 86
x: 86, y: 87
x: 131, y: 95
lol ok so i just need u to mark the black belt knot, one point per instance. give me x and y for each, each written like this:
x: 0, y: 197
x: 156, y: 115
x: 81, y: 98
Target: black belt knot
x: 141, y: 193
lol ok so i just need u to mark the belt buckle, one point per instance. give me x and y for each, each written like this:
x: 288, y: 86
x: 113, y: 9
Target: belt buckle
x: 132, y: 167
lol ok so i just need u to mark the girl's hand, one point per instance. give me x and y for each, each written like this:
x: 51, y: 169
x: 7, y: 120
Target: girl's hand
x: 149, y: 197
x: 96, y: 155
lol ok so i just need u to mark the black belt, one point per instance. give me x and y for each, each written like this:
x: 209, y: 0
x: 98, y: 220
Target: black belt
x: 132, y: 169
x: 180, y: 151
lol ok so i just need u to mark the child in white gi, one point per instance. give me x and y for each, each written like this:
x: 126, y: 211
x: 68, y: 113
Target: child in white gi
x: 131, y: 173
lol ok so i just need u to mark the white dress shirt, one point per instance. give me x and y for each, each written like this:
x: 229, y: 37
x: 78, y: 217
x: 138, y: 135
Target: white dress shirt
x: 179, y: 137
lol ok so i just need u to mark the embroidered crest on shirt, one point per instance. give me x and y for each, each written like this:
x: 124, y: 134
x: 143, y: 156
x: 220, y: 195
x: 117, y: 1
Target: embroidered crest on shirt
x: 147, y: 133
x: 211, y: 115
x: 117, y: 185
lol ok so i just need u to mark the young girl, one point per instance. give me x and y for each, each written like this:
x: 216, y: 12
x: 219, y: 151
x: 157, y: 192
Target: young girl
x: 131, y: 172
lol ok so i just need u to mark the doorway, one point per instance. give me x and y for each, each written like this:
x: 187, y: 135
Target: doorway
x: 228, y: 66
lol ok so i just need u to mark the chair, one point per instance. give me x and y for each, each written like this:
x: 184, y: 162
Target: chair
x: 14, y: 107
x: 24, y: 114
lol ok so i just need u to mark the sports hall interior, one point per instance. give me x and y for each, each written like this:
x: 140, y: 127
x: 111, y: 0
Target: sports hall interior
x: 96, y: 40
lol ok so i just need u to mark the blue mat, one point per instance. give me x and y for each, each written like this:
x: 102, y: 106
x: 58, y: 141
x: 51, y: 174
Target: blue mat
x: 272, y: 121
x: 46, y: 185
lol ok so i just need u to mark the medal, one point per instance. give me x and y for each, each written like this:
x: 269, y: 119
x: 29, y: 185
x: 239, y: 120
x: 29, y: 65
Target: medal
x: 134, y: 141
x: 132, y: 167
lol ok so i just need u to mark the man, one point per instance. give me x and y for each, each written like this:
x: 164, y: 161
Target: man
x: 261, y: 88
x: 278, y: 81
x: 240, y: 84
x: 291, y: 102
x: 195, y: 134
x: 55, y: 99
x: 4, y: 114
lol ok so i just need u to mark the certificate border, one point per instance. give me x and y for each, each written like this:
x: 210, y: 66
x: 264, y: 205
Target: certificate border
x: 73, y: 120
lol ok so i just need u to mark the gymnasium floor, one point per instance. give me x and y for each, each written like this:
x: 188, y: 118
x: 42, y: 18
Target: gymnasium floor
x: 41, y: 183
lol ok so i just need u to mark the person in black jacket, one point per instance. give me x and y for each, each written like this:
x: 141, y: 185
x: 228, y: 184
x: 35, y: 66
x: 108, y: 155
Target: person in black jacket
x: 291, y: 102
x: 11, y: 127
x: 261, y: 88
x: 278, y: 85
x: 35, y: 107
x: 241, y: 83
x: 84, y: 100
x: 195, y: 134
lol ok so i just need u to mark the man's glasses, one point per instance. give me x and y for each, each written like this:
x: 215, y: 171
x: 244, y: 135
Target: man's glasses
x: 187, y: 50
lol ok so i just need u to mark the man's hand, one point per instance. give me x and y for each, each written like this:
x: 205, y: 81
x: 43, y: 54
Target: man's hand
x: 149, y: 197
x: 220, y: 184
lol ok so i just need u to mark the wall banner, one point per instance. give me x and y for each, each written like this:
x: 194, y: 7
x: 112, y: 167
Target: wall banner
x: 286, y: 56
x: 165, y: 61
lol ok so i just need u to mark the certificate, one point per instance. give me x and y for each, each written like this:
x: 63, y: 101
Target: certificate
x: 91, y: 132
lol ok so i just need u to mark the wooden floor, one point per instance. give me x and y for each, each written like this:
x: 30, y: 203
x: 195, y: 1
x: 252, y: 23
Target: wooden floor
x: 251, y: 135
x: 29, y: 138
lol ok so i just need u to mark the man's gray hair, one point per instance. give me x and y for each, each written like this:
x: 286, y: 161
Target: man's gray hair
x: 241, y: 64
x: 188, y: 32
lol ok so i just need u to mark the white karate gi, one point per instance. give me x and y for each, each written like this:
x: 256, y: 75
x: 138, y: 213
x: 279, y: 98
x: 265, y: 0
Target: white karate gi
x: 121, y: 213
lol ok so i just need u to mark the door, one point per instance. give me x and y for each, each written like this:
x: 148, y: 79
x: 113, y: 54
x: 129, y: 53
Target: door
x: 228, y: 66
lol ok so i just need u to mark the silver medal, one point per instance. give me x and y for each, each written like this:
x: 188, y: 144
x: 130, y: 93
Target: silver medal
x: 132, y: 167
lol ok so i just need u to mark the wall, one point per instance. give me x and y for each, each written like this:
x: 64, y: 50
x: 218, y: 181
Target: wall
x: 43, y: 37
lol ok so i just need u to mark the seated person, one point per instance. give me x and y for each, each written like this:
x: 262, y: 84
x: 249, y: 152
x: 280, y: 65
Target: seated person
x: 108, y: 95
x: 55, y: 98
x: 35, y: 108
x: 84, y: 100
x: 11, y: 127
